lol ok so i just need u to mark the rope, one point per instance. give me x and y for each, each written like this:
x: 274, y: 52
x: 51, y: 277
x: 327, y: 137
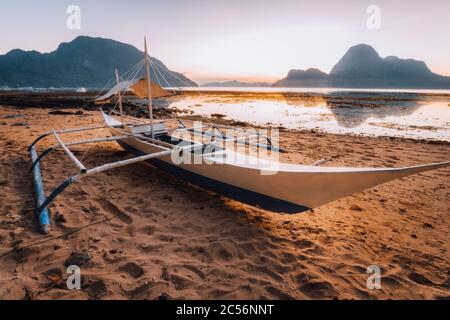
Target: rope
x: 131, y: 77
x: 135, y: 72
x: 110, y: 82
x: 155, y: 67
x: 112, y: 79
x: 157, y: 78
x: 174, y: 75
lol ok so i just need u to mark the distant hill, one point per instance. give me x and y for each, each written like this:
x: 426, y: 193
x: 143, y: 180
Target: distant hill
x: 362, y: 67
x: 84, y: 62
x: 311, y: 78
x: 235, y: 83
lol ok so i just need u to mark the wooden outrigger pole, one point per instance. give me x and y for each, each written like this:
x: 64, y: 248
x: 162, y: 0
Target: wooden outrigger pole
x: 149, y: 88
x: 119, y: 97
x: 42, y: 202
x: 42, y: 216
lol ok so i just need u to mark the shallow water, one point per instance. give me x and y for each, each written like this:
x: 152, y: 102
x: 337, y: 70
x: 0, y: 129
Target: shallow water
x: 405, y: 114
x: 310, y: 90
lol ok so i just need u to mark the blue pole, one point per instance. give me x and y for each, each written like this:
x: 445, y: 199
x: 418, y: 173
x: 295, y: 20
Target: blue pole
x: 43, y: 217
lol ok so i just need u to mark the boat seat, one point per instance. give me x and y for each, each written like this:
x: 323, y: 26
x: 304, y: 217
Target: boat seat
x: 158, y: 128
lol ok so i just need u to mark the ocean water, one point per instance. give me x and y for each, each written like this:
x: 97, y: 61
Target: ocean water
x: 416, y: 114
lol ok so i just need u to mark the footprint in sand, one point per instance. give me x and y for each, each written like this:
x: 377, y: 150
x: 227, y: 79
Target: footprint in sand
x: 148, y: 229
x: 139, y: 291
x: 391, y: 282
x: 194, y: 269
x: 318, y: 290
x: 180, y: 282
x: 111, y: 207
x: 420, y: 279
x: 279, y: 294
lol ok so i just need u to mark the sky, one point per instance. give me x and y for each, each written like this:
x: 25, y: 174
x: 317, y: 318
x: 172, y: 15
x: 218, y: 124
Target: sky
x: 251, y: 40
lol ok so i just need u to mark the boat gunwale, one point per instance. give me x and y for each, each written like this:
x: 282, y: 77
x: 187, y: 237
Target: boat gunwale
x: 300, y: 168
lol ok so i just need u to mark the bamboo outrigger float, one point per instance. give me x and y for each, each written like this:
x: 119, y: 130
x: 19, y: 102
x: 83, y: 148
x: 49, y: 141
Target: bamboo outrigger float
x: 266, y: 183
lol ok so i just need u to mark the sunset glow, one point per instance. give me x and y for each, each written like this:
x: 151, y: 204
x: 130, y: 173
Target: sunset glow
x: 251, y: 40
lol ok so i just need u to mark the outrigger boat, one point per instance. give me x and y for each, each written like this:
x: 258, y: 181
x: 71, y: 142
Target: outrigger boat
x: 265, y: 183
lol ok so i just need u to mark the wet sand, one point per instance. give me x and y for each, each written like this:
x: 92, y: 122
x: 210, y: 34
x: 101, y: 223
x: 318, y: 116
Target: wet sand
x: 143, y: 234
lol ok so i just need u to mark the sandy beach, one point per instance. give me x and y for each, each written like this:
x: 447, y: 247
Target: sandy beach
x: 142, y: 234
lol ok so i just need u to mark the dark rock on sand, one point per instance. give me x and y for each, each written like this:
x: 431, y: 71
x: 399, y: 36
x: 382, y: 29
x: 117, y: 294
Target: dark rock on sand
x: 78, y: 258
x: 132, y: 269
x: 29, y: 295
x: 218, y: 115
x: 355, y: 207
x: 56, y: 277
x: 59, y: 218
x: 21, y: 255
x: 165, y: 274
x: 53, y: 273
x: 60, y: 112
x: 14, y: 116
x: 163, y: 296
x: 96, y: 289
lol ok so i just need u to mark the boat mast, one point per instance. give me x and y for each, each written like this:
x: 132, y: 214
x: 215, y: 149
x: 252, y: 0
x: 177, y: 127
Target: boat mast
x: 119, y: 97
x: 149, y: 87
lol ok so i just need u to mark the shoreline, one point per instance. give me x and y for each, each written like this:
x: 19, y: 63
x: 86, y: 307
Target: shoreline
x: 317, y: 131
x: 50, y: 98
x: 243, y: 124
x: 55, y: 106
x: 257, y: 90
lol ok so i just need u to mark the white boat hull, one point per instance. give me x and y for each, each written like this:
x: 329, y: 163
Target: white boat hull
x: 274, y: 186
